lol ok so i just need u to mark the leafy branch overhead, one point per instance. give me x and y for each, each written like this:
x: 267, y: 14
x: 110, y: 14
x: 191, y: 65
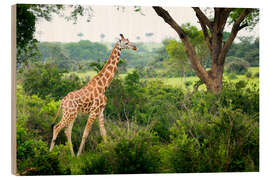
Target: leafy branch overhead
x: 29, y: 14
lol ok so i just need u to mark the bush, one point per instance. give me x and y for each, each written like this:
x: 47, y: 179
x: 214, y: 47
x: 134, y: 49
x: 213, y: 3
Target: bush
x: 38, y: 114
x: 257, y: 75
x: 160, y: 108
x: 124, y: 97
x: 249, y: 74
x: 45, y: 79
x: 241, y: 96
x: 188, y: 83
x: 33, y: 156
x: 127, y: 152
x: 232, y: 76
x: 218, y: 144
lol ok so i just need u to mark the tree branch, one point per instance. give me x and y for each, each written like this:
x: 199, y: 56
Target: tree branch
x: 196, y: 65
x: 169, y: 20
x: 225, y: 16
x: 203, y: 18
x: 221, y: 16
x: 242, y: 26
x: 236, y: 27
x: 204, y: 21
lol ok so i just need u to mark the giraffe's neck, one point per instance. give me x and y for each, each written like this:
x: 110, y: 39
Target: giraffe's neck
x: 108, y: 71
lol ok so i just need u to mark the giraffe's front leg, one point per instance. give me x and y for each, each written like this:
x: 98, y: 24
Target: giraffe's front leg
x: 88, y: 126
x: 68, y: 132
x: 101, y: 125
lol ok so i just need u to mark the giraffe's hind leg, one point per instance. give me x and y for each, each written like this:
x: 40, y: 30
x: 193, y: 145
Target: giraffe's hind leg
x: 56, y: 129
x: 94, y: 111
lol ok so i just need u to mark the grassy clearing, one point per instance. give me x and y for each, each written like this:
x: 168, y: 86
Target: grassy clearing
x: 85, y: 74
x: 180, y: 81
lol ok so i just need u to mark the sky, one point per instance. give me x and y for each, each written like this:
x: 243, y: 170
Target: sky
x: 110, y: 21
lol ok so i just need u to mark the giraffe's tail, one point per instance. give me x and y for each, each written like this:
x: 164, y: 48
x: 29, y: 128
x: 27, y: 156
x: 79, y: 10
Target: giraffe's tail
x: 57, y: 114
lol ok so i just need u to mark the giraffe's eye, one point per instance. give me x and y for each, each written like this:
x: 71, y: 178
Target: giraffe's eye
x: 126, y: 43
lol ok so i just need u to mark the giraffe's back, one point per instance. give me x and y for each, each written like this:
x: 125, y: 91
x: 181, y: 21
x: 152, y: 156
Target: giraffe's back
x: 80, y: 100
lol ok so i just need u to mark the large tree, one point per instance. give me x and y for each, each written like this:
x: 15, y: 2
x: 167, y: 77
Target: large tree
x: 213, y: 29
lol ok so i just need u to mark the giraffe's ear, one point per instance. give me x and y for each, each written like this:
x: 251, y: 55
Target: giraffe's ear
x: 122, y: 36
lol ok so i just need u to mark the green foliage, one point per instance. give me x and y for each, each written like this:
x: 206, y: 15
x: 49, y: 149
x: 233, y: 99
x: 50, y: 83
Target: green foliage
x: 50, y: 82
x: 247, y: 49
x: 33, y: 156
x: 232, y: 76
x: 124, y: 97
x: 241, y: 97
x: 176, y: 50
x: 36, y: 114
x: 215, y: 144
x: 151, y: 128
x: 121, y: 67
x: 249, y: 74
x: 147, y: 72
x: 76, y: 56
x: 251, y: 20
x: 257, y: 75
x: 128, y: 152
x: 188, y: 83
x: 177, y: 61
x: 85, y: 49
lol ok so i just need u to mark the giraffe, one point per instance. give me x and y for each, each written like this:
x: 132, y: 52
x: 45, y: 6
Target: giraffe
x: 89, y: 99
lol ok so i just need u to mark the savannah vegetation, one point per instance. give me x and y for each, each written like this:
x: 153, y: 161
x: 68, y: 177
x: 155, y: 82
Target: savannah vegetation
x: 160, y: 116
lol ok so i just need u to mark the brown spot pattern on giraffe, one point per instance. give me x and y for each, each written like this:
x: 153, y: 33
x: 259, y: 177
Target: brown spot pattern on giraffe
x: 110, y: 68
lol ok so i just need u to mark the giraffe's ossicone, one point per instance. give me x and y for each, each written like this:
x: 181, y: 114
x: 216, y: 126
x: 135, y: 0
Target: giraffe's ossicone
x: 89, y: 99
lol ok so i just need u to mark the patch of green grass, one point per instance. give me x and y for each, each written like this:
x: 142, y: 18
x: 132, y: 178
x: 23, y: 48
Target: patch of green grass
x: 85, y: 74
x: 179, y: 82
x: 254, y: 70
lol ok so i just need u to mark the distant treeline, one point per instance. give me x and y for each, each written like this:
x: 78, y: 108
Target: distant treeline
x: 75, y: 56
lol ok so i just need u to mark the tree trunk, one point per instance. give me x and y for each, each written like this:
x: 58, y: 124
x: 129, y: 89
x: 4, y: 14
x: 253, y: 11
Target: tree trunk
x: 213, y: 33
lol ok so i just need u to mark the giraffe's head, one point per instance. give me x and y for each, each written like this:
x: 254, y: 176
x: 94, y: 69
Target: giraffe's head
x: 125, y: 44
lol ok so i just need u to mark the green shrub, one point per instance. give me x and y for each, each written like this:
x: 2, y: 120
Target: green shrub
x: 257, y: 75
x: 127, y: 152
x: 124, y: 96
x: 45, y: 79
x: 239, y: 96
x: 33, y: 156
x: 38, y: 114
x: 95, y: 163
x: 232, y: 76
x: 188, y: 83
x: 249, y: 74
x: 218, y: 144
